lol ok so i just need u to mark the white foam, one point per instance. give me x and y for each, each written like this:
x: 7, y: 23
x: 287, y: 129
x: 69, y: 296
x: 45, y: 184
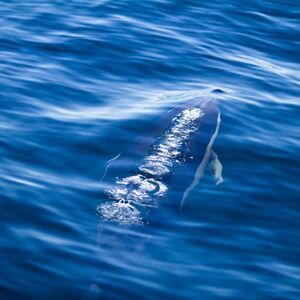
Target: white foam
x: 120, y: 212
x: 145, y: 191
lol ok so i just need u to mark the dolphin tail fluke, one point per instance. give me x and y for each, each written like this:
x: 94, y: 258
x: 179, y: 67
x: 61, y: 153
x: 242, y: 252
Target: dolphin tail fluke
x: 215, y: 168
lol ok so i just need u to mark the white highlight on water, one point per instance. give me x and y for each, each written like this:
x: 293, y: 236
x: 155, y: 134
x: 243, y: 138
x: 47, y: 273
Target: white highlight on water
x: 108, y: 165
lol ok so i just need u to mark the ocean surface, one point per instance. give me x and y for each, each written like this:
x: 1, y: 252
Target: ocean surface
x: 82, y: 81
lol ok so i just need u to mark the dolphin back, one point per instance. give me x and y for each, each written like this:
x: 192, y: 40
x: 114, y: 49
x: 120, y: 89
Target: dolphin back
x: 170, y: 168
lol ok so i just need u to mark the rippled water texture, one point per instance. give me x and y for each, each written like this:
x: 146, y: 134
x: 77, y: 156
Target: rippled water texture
x: 83, y: 81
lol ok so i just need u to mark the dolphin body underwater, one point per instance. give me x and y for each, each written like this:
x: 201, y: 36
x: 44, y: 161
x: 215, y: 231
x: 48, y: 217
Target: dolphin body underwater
x: 159, y: 184
x: 172, y: 168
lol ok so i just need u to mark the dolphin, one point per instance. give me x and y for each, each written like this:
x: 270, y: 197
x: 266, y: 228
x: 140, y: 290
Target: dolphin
x: 156, y: 188
x: 172, y: 167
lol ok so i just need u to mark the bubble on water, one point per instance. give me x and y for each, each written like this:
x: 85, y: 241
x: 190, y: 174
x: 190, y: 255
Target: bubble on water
x: 155, y: 168
x: 120, y: 212
x: 158, y: 157
x: 139, y: 190
x: 142, y: 190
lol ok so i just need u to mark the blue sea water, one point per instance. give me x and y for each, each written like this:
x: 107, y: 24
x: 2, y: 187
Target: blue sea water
x: 81, y: 80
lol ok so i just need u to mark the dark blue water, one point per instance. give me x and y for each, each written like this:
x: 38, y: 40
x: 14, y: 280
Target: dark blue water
x: 80, y: 81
